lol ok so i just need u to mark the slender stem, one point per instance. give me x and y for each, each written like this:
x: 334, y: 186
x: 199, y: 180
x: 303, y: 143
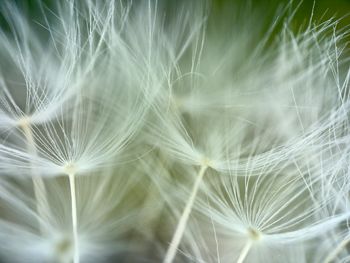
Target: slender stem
x: 74, y: 216
x: 40, y: 193
x: 170, y: 255
x: 337, y: 250
x: 245, y: 251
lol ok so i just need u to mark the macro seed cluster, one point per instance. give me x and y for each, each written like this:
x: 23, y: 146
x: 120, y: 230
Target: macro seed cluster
x: 143, y: 131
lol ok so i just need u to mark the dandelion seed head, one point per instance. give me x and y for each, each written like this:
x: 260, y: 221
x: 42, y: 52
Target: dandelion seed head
x: 63, y: 249
x: 70, y: 168
x: 207, y: 162
x: 24, y: 122
x: 254, y: 234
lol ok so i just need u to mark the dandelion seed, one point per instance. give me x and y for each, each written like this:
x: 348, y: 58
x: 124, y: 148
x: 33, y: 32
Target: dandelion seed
x: 241, y: 128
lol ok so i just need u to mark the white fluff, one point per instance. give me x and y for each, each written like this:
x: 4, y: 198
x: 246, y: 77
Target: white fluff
x: 150, y: 131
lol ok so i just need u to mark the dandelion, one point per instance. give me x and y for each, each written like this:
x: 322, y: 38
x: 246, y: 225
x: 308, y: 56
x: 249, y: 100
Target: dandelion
x: 234, y: 137
x: 98, y: 231
x: 67, y: 133
x: 265, y: 212
x: 234, y: 131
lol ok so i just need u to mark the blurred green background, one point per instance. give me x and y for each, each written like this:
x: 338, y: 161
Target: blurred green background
x: 323, y: 9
